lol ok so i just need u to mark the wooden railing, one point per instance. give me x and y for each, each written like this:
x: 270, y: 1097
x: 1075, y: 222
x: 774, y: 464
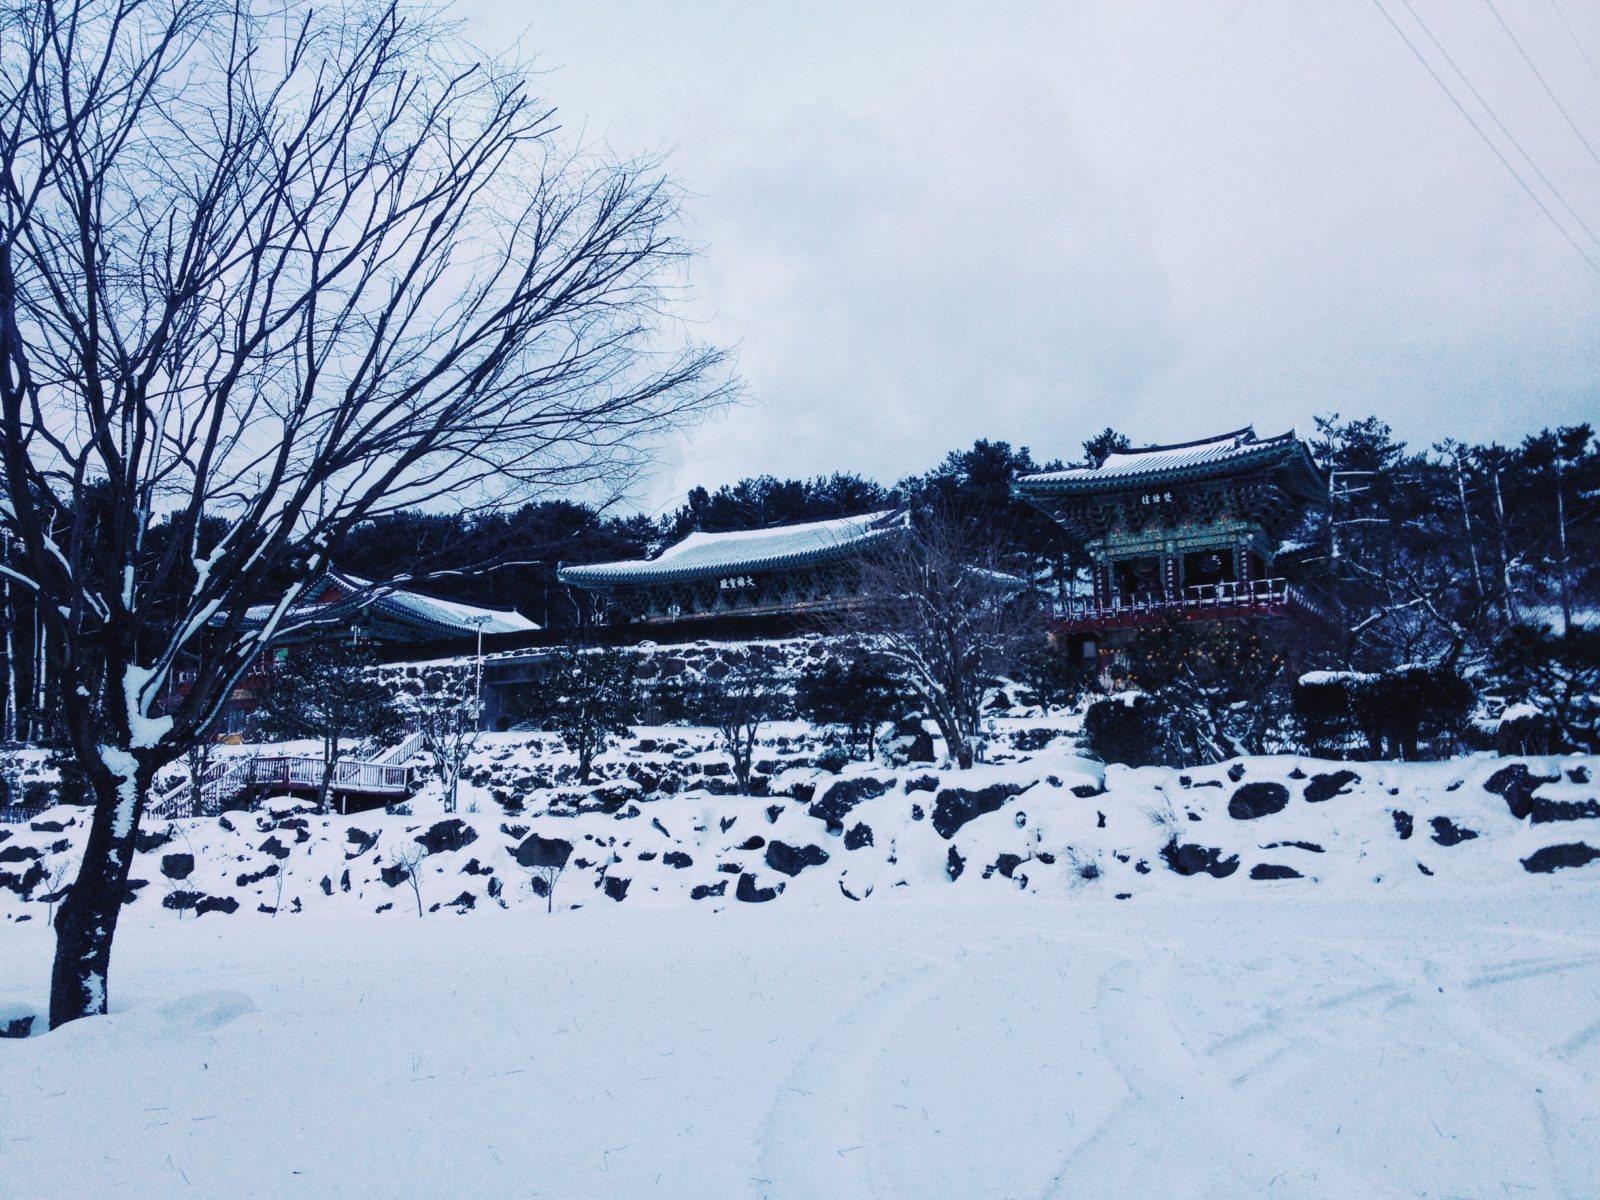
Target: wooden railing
x: 1255, y: 597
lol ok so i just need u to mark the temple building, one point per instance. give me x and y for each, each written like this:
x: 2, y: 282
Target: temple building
x: 343, y: 604
x: 1198, y: 530
x: 789, y: 570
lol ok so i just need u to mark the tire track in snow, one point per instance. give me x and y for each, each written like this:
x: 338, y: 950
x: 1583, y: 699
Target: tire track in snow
x: 1186, y: 1130
x: 815, y: 1142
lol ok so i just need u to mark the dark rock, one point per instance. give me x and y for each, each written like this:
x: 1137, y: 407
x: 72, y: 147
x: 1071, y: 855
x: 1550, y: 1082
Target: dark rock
x: 1099, y: 819
x: 23, y: 882
x: 849, y: 895
x: 17, y: 1026
x: 1564, y: 810
x: 1553, y: 858
x: 1255, y: 800
x: 954, y: 864
x: 274, y: 847
x: 1311, y: 846
x: 1142, y: 867
x: 199, y: 903
x: 843, y: 796
x: 730, y: 868
x: 359, y: 842
x: 18, y: 853
x: 751, y: 894
x: 1049, y: 859
x: 538, y: 853
x: 1579, y: 774
x: 1007, y: 863
x: 384, y: 907
x: 450, y: 834
x: 147, y: 840
x: 1423, y: 867
x: 1274, y: 871
x: 463, y: 903
x: 1326, y: 787
x: 677, y: 858
x: 616, y: 888
x: 916, y: 812
x: 1087, y: 791
x: 753, y: 842
x: 177, y: 866
x: 1124, y: 895
x: 791, y: 860
x: 702, y: 891
x: 1447, y: 833
x: 327, y: 885
x: 246, y: 880
x: 344, y: 880
x: 1402, y: 824
x: 1297, y: 773
x: 47, y: 826
x: 1188, y: 858
x: 956, y: 806
x: 515, y: 832
x: 656, y: 824
x: 1236, y: 772
x: 859, y: 835
x: 1516, y: 784
x: 1194, y: 816
x: 474, y: 867
x: 914, y: 744
x: 922, y: 783
x: 774, y: 811
x: 394, y: 875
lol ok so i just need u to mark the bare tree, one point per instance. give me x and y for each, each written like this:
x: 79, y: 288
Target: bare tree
x: 406, y: 859
x: 544, y: 859
x: 445, y: 711
x: 737, y: 705
x: 266, y: 272
x: 945, y: 618
x: 326, y: 690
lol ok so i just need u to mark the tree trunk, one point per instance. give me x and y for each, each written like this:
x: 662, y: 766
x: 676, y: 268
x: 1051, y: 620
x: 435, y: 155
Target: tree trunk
x: 330, y: 760
x: 88, y: 916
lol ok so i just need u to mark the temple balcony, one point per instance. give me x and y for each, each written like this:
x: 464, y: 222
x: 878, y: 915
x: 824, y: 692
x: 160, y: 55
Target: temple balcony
x: 1204, y: 602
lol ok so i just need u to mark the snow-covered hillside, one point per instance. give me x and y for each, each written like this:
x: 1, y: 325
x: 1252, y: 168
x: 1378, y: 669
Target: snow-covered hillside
x: 663, y: 827
x: 1036, y: 978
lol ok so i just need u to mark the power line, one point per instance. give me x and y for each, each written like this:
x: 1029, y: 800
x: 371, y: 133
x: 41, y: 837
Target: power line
x: 1573, y: 34
x: 1537, y: 74
x: 1487, y: 140
x: 1493, y: 116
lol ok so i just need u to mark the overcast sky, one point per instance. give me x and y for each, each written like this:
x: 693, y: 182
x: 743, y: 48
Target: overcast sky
x: 926, y: 223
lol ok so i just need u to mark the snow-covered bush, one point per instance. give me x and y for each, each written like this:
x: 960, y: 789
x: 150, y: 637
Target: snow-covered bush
x: 1407, y: 713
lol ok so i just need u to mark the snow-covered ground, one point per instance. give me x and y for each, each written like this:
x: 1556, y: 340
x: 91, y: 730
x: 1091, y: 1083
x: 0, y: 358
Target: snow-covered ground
x: 1037, y: 978
x: 925, y: 1046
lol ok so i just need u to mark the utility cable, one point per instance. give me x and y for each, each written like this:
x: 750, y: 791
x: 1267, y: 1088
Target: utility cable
x: 1573, y: 34
x: 1487, y: 140
x: 1501, y: 125
x: 1548, y: 90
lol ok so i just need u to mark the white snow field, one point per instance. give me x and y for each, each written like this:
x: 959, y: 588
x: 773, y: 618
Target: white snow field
x: 1039, y: 978
x: 1006, y: 1046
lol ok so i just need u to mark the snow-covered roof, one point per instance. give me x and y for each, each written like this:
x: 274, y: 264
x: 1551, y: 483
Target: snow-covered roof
x: 717, y: 554
x: 430, y: 613
x: 1208, y: 456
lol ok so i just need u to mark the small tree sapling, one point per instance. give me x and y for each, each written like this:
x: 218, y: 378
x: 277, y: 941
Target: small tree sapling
x: 544, y: 859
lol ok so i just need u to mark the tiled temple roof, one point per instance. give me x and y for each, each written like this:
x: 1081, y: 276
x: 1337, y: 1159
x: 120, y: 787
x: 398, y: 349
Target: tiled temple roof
x: 429, y: 614
x: 702, y: 555
x: 1211, y: 457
